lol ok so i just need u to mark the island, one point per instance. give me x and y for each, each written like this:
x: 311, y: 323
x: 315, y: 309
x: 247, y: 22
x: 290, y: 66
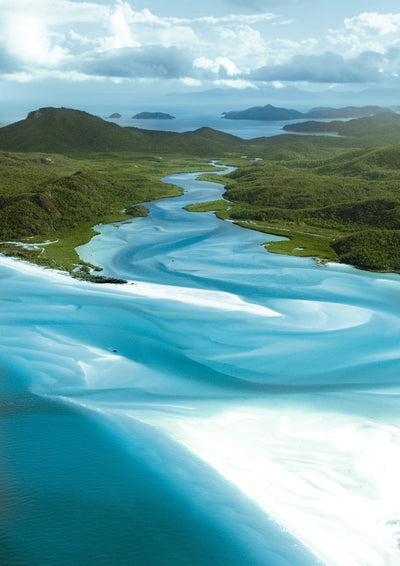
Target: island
x: 153, y: 116
x: 267, y: 113
x: 271, y: 113
x: 115, y: 115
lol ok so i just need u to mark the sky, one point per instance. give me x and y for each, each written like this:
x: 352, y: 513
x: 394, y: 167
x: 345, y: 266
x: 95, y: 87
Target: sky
x: 94, y: 52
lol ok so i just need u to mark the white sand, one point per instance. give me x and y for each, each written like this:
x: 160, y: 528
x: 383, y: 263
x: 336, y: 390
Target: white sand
x: 196, y: 297
x: 331, y: 480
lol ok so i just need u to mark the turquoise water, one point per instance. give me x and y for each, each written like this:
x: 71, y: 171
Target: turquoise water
x: 228, y: 406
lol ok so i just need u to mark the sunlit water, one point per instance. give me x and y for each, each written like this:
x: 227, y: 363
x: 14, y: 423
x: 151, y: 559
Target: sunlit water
x: 227, y: 407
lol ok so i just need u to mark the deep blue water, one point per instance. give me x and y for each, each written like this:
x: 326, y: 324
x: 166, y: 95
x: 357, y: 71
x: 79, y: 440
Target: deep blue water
x: 227, y: 407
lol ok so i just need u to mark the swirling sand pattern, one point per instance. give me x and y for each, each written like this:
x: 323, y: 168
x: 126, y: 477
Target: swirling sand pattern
x: 166, y: 422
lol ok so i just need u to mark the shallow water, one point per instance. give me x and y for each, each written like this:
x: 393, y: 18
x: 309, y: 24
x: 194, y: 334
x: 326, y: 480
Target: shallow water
x: 230, y: 406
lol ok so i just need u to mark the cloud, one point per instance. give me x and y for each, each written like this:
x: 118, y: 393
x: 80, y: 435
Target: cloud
x: 373, y: 23
x: 94, y: 39
x: 368, y: 31
x: 238, y: 84
x: 118, y: 23
x: 28, y: 40
x: 152, y: 61
x: 55, y: 12
x: 8, y: 63
x: 326, y: 68
x: 222, y: 66
x: 240, y: 19
x: 260, y: 5
x: 156, y: 61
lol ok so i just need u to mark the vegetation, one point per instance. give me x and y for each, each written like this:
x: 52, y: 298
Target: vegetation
x: 136, y: 210
x: 382, y: 129
x: 267, y: 112
x: 335, y: 198
x: 211, y: 206
x: 73, y: 132
x: 153, y: 116
x: 53, y: 198
x: 270, y: 112
x: 334, y: 204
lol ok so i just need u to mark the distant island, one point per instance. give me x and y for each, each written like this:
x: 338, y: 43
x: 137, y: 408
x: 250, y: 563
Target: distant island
x: 267, y: 112
x: 115, y: 115
x: 153, y: 116
x: 271, y: 113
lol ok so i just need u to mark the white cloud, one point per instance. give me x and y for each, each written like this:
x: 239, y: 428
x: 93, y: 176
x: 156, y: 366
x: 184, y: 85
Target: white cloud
x: 240, y: 84
x: 259, y: 5
x: 178, y: 36
x: 55, y: 12
x: 68, y: 35
x: 188, y: 81
x: 121, y: 33
x: 110, y: 39
x: 220, y: 65
x: 235, y: 18
x: 28, y: 39
x: 371, y: 22
x: 368, y: 31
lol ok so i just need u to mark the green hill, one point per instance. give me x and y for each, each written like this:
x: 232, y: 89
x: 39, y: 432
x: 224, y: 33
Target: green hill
x: 267, y: 113
x: 61, y: 130
x: 345, y: 207
x: 270, y: 113
x: 153, y: 116
x: 71, y: 132
x: 374, y: 164
x: 381, y: 129
x: 346, y: 112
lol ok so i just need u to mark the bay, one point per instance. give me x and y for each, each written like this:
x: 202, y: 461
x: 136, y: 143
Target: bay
x: 193, y: 120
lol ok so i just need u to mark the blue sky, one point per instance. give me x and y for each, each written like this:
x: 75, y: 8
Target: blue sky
x: 69, y: 51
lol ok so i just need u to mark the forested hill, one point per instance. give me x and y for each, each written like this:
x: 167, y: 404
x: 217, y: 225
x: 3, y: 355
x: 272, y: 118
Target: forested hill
x: 67, y: 131
x: 381, y: 129
x: 267, y: 113
x: 344, y: 208
x: 271, y: 113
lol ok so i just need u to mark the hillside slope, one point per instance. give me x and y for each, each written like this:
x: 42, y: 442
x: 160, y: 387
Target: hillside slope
x: 271, y: 113
x: 381, y: 129
x: 344, y: 208
x: 68, y: 131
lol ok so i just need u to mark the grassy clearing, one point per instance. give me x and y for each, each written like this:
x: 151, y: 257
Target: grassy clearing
x: 301, y: 244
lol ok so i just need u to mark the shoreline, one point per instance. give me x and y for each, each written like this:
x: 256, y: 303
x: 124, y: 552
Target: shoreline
x: 219, y: 300
x: 84, y: 271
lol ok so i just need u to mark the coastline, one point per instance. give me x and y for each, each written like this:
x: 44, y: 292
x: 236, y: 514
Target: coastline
x: 64, y: 258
